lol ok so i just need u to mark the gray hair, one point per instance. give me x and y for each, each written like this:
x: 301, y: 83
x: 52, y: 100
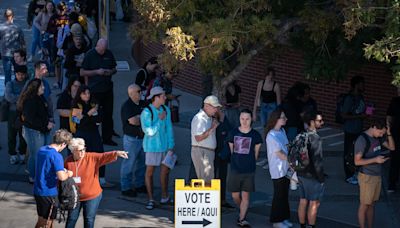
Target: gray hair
x: 75, y: 143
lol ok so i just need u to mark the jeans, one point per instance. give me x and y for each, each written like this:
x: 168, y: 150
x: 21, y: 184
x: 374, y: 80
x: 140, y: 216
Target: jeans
x: 7, y: 64
x: 265, y: 111
x: 12, y: 135
x: 35, y: 40
x: 135, y: 161
x: 89, y: 213
x: 34, y: 140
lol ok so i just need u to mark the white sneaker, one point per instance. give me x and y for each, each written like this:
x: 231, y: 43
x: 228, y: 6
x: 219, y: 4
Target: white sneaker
x: 279, y: 225
x: 288, y: 223
x: 21, y: 158
x: 262, y: 162
x: 13, y: 159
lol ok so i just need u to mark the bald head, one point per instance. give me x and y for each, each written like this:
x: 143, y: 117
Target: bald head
x: 134, y: 92
x: 101, y: 46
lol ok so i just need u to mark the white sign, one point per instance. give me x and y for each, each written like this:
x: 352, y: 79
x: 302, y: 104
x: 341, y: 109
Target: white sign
x: 122, y: 66
x: 197, y: 206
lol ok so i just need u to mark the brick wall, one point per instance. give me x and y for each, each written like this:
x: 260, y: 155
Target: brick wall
x: 289, y: 67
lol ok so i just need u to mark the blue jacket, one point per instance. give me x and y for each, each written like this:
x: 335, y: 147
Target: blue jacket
x: 158, y: 134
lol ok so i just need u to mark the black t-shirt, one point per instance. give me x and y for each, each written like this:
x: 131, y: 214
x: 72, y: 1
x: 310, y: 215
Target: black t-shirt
x: 243, y: 158
x: 87, y: 123
x: 93, y: 61
x: 64, y: 102
x: 233, y: 98
x: 130, y: 109
x: 394, y: 112
x: 73, y: 54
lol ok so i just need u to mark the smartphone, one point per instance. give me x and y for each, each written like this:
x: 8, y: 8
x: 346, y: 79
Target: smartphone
x: 385, y: 153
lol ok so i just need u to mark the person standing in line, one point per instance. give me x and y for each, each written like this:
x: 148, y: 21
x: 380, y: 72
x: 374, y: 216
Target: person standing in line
x: 393, y: 121
x: 277, y: 151
x: 268, y: 96
x: 11, y: 95
x: 85, y: 171
x: 11, y: 39
x: 36, y: 122
x: 370, y: 157
x: 311, y: 180
x: 132, y: 140
x: 222, y: 154
x: 50, y: 170
x: 353, y: 113
x: 98, y: 67
x: 158, y: 140
x: 34, y: 8
x: 204, y: 140
x: 64, y: 102
x: 244, y: 144
x: 232, y: 103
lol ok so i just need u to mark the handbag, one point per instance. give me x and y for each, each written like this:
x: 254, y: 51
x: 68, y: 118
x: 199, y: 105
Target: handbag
x: 4, y: 109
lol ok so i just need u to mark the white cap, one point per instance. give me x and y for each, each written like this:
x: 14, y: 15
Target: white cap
x: 155, y: 91
x: 212, y: 100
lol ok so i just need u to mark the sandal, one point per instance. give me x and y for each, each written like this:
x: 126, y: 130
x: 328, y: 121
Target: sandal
x: 150, y: 205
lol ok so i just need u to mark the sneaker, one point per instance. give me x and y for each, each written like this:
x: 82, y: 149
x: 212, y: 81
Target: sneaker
x: 13, y: 159
x: 265, y: 166
x: 150, y: 205
x: 129, y: 193
x: 391, y: 190
x: 243, y: 223
x: 352, y: 180
x: 279, y: 225
x: 287, y: 223
x: 166, y: 201
x: 262, y: 162
x: 22, y: 159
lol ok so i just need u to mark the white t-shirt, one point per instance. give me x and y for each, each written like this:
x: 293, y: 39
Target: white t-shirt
x: 277, y: 141
x: 202, y: 122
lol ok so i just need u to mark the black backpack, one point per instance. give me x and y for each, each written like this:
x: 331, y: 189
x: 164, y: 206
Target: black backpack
x: 298, y: 157
x: 151, y: 111
x: 68, y: 196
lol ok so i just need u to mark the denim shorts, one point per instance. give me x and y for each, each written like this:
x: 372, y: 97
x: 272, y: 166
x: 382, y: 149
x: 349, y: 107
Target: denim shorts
x: 154, y: 158
x: 311, y: 189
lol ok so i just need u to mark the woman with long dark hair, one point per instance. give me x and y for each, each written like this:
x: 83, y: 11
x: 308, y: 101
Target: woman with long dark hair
x: 277, y: 151
x: 36, y: 123
x: 85, y: 115
x: 64, y: 102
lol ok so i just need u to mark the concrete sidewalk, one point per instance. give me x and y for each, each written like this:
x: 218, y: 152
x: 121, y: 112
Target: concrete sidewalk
x: 338, y: 208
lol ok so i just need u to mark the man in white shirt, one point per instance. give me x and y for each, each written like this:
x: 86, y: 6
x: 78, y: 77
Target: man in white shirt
x: 204, y: 141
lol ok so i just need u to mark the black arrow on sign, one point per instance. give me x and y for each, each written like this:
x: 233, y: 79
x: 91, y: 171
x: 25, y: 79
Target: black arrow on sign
x: 205, y: 222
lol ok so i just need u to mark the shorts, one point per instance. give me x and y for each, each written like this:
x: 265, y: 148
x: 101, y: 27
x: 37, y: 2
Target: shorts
x: 44, y: 205
x: 240, y: 182
x: 370, y: 188
x: 311, y: 189
x: 154, y: 158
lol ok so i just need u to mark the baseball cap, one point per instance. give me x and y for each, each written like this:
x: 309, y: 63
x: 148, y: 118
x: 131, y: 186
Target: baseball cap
x: 212, y: 100
x: 76, y: 29
x: 155, y: 91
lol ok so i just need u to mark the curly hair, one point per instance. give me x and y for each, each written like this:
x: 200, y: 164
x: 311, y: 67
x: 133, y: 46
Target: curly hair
x: 30, y: 91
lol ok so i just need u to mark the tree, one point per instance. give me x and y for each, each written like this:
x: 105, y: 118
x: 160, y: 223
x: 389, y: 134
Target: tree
x: 224, y: 35
x: 384, y: 16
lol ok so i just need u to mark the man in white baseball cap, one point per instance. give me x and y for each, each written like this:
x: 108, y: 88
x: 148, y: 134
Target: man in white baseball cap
x: 204, y: 140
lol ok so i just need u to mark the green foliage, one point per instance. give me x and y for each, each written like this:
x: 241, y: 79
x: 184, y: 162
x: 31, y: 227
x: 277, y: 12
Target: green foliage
x: 223, y: 35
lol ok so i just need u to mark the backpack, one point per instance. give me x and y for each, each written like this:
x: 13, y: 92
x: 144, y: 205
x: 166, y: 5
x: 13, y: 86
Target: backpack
x: 298, y: 152
x: 151, y: 111
x: 68, y: 196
